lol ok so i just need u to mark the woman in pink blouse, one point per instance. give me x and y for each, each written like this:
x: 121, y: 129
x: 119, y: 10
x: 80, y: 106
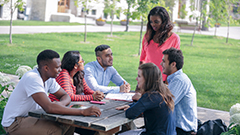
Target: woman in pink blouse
x: 158, y: 37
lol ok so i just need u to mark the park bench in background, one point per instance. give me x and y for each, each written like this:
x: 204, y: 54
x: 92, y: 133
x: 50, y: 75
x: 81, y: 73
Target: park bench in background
x: 186, y: 25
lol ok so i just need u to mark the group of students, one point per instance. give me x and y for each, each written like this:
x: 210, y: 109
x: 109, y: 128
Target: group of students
x: 165, y: 95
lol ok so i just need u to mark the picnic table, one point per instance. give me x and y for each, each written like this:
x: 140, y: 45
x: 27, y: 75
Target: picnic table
x: 108, y: 123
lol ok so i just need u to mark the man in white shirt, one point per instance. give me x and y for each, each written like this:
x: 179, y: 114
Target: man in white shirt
x: 31, y: 94
x: 99, y: 73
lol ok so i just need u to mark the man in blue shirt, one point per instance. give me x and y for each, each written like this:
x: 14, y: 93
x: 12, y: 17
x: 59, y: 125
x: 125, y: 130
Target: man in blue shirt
x: 99, y: 73
x: 181, y: 87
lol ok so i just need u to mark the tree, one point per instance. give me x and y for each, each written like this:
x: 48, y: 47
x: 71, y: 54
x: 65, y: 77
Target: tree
x: 170, y: 4
x: 220, y: 12
x: 14, y: 4
x: 197, y: 16
x: 142, y: 9
x: 86, y: 7
x: 230, y: 17
x: 183, y: 13
x: 129, y: 2
x: 112, y: 9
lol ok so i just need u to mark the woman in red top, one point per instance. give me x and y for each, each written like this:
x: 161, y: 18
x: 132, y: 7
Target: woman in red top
x: 71, y: 79
x: 158, y: 37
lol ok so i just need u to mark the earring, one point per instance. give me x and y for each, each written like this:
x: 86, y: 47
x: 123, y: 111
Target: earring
x: 75, y: 67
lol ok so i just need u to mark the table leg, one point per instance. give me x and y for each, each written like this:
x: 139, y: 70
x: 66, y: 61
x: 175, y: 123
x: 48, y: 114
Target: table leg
x: 110, y: 132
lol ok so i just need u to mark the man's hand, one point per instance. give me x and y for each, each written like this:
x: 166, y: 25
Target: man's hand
x: 124, y: 107
x: 125, y: 87
x: 98, y: 95
x: 137, y: 96
x: 93, y: 110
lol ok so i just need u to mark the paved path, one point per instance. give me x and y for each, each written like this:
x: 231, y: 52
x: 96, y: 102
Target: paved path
x: 234, y: 32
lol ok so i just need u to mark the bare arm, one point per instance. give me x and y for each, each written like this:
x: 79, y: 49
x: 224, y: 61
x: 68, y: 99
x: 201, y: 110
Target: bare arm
x: 56, y: 108
x: 63, y: 97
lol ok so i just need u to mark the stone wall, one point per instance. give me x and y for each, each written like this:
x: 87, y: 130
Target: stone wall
x: 42, y: 9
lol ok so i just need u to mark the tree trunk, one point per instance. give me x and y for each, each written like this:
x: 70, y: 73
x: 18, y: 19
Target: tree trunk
x: 228, y: 22
x: 111, y: 22
x: 227, y: 32
x: 85, y: 30
x: 194, y: 32
x: 10, y: 32
x: 127, y: 17
x: 140, y: 41
x: 215, y: 33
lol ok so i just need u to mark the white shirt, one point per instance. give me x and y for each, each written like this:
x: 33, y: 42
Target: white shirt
x: 21, y: 101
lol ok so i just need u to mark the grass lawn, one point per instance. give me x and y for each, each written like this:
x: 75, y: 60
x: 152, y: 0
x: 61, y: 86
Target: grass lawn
x: 35, y: 23
x: 211, y: 64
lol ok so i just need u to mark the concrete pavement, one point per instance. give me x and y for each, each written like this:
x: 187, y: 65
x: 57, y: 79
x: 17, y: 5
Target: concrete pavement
x: 234, y: 32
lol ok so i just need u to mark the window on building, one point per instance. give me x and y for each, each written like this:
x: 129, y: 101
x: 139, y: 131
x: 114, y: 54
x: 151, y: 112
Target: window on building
x: 94, y: 12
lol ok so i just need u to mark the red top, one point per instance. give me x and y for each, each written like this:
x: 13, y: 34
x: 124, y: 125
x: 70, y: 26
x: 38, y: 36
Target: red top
x: 152, y: 53
x: 64, y: 80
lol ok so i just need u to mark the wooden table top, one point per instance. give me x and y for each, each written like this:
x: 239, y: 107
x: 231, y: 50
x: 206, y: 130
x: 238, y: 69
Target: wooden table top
x: 109, y: 119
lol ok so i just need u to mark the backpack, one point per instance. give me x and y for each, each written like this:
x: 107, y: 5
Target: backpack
x: 211, y: 127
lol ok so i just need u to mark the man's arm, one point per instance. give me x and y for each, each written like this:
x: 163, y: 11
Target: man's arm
x: 119, y: 81
x: 54, y: 107
x: 63, y: 97
x: 93, y: 84
x: 178, y: 89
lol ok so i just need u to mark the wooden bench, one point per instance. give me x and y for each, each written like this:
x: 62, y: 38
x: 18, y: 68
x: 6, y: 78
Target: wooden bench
x: 185, y: 25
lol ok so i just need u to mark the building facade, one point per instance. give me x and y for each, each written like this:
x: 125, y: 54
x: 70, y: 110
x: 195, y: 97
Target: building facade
x: 65, y: 10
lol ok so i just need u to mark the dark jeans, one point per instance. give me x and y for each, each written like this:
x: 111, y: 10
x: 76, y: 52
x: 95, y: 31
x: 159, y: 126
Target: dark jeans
x: 82, y: 131
x: 182, y: 132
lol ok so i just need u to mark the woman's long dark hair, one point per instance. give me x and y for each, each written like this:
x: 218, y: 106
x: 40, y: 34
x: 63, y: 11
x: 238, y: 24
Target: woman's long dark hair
x: 154, y: 83
x: 69, y: 60
x: 165, y: 27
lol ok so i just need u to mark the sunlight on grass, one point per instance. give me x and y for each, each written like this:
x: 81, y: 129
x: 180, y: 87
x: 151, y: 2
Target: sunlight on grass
x: 211, y: 64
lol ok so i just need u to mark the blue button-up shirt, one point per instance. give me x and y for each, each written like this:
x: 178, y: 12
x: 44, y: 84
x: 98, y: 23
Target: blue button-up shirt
x: 98, y: 79
x: 185, y: 100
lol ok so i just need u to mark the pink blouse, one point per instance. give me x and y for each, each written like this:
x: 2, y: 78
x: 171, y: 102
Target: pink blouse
x: 152, y: 53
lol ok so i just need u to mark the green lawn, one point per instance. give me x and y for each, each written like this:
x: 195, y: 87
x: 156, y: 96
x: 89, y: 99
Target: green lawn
x: 211, y: 64
x: 35, y: 23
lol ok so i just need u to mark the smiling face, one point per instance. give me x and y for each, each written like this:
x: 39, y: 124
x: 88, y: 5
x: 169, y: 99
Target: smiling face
x: 165, y: 65
x: 140, y: 79
x: 54, y: 67
x: 80, y: 64
x: 105, y: 59
x: 155, y: 22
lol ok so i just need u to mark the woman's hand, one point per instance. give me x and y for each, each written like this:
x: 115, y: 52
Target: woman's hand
x: 137, y: 96
x: 124, y: 107
x: 98, y: 95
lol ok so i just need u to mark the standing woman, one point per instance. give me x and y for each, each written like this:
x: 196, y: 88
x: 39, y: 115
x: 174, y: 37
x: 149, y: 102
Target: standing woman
x: 71, y: 79
x: 158, y: 37
x: 156, y: 103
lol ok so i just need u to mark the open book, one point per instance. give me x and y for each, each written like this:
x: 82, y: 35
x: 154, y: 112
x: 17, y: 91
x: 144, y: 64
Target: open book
x: 120, y: 96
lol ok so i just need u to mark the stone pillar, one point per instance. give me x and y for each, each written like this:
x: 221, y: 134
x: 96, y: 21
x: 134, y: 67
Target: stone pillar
x: 42, y: 9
